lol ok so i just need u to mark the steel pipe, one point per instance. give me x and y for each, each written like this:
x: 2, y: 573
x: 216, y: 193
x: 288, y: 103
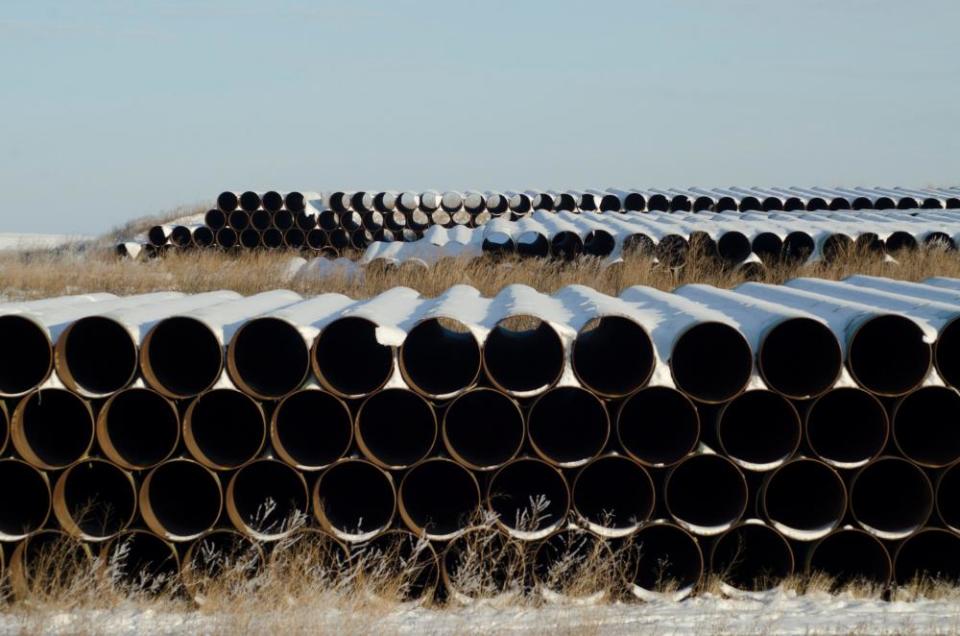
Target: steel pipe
x: 573, y: 564
x: 138, y: 428
x: 266, y: 499
x: 227, y: 202
x: 891, y: 498
x: 396, y: 428
x: 751, y: 557
x: 529, y: 497
x: 850, y: 556
x: 52, y: 428
x: 224, y: 429
x: 805, y: 499
x: 483, y: 429
x: 481, y: 563
x: 249, y: 201
x: 349, y: 360
x: 759, y: 430
x: 180, y: 500
x: 568, y: 426
x: 311, y: 429
x: 613, y: 496
x: 846, y: 427
x: 30, y: 572
x: 399, y: 566
x: 354, y: 500
x: 295, y: 201
x: 948, y: 497
x: 523, y: 360
x: 142, y: 562
x: 931, y: 556
x: 613, y: 356
x: 226, y: 238
x: 25, y: 502
x: 705, y: 494
x: 664, y: 561
x: 924, y: 426
x: 658, y: 426
x: 438, y: 499
x: 216, y: 556
x: 268, y: 358
x: 440, y: 358
x: 94, y: 500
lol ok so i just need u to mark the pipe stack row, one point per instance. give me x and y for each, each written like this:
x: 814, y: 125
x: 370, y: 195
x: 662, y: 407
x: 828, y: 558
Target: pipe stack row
x: 753, y: 433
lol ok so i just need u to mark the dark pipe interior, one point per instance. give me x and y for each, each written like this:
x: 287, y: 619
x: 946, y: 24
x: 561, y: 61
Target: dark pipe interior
x: 523, y: 360
x: 418, y: 220
x: 269, y: 496
x: 533, y: 245
x: 658, y: 426
x: 672, y: 250
x: 846, y: 426
x: 260, y: 220
x: 227, y: 427
x: 304, y: 221
x: 931, y: 555
x: 283, y: 220
x: 439, y: 360
x: 57, y: 425
x: 143, y: 427
x: 361, y: 238
x: 931, y: 204
x: 483, y: 428
x: 836, y: 246
x: 358, y: 201
x: 227, y: 201
x: 752, y: 557
x: 100, y: 497
x: 869, y: 243
x: 566, y: 245
x: 250, y: 239
x: 901, y: 241
x: 519, y: 483
x: 639, y: 245
x: 891, y: 495
x: 482, y: 563
x: 658, y: 203
x: 313, y: 427
x: 703, y: 204
x: 227, y: 238
x: 840, y: 203
x: 568, y: 425
x: 664, y: 556
x: 862, y: 203
x: 613, y: 356
x: 703, y: 245
x: 771, y: 203
x: 599, y: 243
x: 610, y: 203
x: 185, y: 498
x: 180, y: 236
x: 798, y: 246
x: 272, y: 201
x: 566, y: 202
x: 249, y: 201
x: 355, y: 497
x: 726, y: 204
x: 339, y: 201
x: 349, y: 359
x: 522, y: 204
x: 805, y: 495
x: 680, y: 203
x: 565, y: 561
x: 849, y: 556
x: 925, y: 426
x: 339, y: 238
x: 273, y: 238
x: 397, y: 427
x: 588, y: 202
x: 635, y: 202
x: 733, y: 247
x: 750, y: 204
x: 328, y: 220
x: 759, y: 427
x: 100, y: 355
x: 768, y: 247
x: 711, y: 362
x: 295, y: 202
x: 946, y: 352
x: 183, y: 356
x: 373, y: 221
x: 440, y: 497
x: 203, y: 237
x: 294, y: 238
x: 25, y: 502
x: 27, y: 357
x: 793, y: 204
x: 215, y: 219
x: 800, y: 357
x: 239, y: 220
x: 948, y: 496
x: 706, y: 491
x: 408, y: 564
x: 497, y: 247
x: 316, y: 239
x: 270, y: 357
x: 614, y: 492
x: 143, y: 561
x: 888, y: 355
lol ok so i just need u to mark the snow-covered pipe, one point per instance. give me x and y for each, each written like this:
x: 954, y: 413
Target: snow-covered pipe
x: 265, y: 498
x: 613, y: 356
x: 180, y: 499
x: 395, y: 428
x: 751, y: 557
x: 354, y: 500
x: 891, y: 497
x: 568, y: 426
x: 759, y: 430
x: 523, y: 361
x: 613, y: 495
x: 362, y: 202
x: 862, y: 435
x: 850, y: 556
x: 929, y: 555
x: 705, y: 494
x: 530, y: 498
x: 438, y: 498
x: 440, y: 358
x: 93, y: 499
x: 52, y: 428
x: 483, y: 429
x: 658, y: 426
x: 311, y: 429
x: 924, y: 426
x: 430, y: 201
x: 27, y: 501
x: 805, y: 499
x: 666, y: 561
x: 138, y: 428
x: 224, y: 429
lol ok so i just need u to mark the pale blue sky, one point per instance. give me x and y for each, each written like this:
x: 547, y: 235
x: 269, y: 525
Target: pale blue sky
x: 111, y: 109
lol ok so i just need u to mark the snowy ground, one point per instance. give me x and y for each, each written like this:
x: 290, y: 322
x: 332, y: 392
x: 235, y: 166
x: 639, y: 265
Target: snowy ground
x: 20, y: 242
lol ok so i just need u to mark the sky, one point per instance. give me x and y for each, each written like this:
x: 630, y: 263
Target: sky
x: 115, y: 109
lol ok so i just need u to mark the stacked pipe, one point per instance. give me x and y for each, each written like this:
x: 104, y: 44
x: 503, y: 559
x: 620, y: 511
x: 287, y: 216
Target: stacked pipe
x: 750, y: 433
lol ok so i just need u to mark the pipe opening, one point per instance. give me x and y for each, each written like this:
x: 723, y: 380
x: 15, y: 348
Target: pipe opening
x: 588, y: 203
x: 908, y: 203
x: 946, y: 352
x: 226, y: 238
x: 227, y: 201
x: 316, y: 239
x: 260, y: 220
x: 400, y: 566
x: 613, y: 356
x: 215, y: 219
x: 664, y: 559
x: 726, y: 204
x: 304, y: 221
x: 888, y: 355
x: 203, y: 237
x: 793, y: 204
x: 328, y: 220
x: 311, y: 429
x: 798, y: 247
x: 27, y: 358
x: 357, y: 201
x: 658, y: 426
x: 217, y: 555
x: 181, y: 237
x: 768, y: 247
x: 533, y: 245
x: 851, y: 557
x: 438, y: 498
x: 249, y: 239
x: 635, y: 202
x: 804, y: 499
x: 734, y: 247
x: 249, y: 201
x: 568, y: 426
x: 483, y: 429
x: 529, y: 497
x: 816, y: 204
x: 268, y: 358
x: 312, y: 556
x: 94, y: 499
x: 30, y: 571
x: 932, y: 556
x: 771, y: 204
x: 900, y: 240
x: 180, y: 500
x: 224, y: 429
x: 836, y: 246
x: 440, y: 357
x: 498, y: 244
x: 869, y: 243
x: 267, y: 499
x: 672, y: 250
x: 610, y: 203
x: 891, y: 497
x: 181, y: 357
x: 157, y: 235
x: 752, y: 557
x: 354, y: 500
x: 272, y: 239
x: 138, y: 428
x: 25, y: 502
x: 272, y: 201
x: 639, y: 245
x: 719, y: 375
x: 706, y: 494
x: 482, y: 563
x: 295, y: 202
x: 283, y: 220
x: 565, y: 202
x: 948, y: 497
x: 52, y: 428
x: 408, y: 201
x: 339, y: 239
x: 703, y: 204
x: 680, y: 203
x: 96, y: 355
x: 800, y: 358
x: 614, y: 495
x: 141, y: 561
x: 862, y: 203
x: 840, y: 203
x: 349, y: 360
x: 847, y: 427
x: 238, y: 220
x: 523, y: 354
x: 759, y: 429
x: 566, y: 246
x: 294, y: 238
x: 939, y: 241
x: 925, y: 426
x: 750, y: 203
x: 599, y: 243
x: 396, y: 428
x: 573, y: 563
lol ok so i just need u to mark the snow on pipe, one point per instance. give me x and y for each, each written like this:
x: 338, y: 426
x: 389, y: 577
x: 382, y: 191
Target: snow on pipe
x: 483, y: 429
x: 613, y: 495
x: 890, y: 497
x: 613, y: 356
x: 180, y: 499
x: 924, y: 426
x: 751, y: 557
x: 759, y: 430
x: 224, y: 429
x: 850, y: 556
x: 523, y: 356
x: 846, y: 427
x: 530, y: 498
x: 805, y: 499
x: 219, y: 554
x: 26, y: 502
x: 438, y: 498
x: 658, y: 426
x: 664, y: 561
x: 931, y: 555
x: 311, y: 429
x: 403, y: 562
x: 32, y: 557
x: 354, y: 500
x: 705, y: 494
x: 138, y: 428
x: 395, y: 428
x: 481, y: 563
x: 265, y: 498
x: 94, y: 499
x: 568, y: 426
x: 136, y: 556
x: 566, y: 563
x: 52, y: 428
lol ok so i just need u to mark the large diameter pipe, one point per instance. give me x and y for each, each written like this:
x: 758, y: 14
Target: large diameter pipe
x: 220, y: 557
x: 658, y: 426
x: 438, y: 498
x: 568, y: 426
x: 30, y: 573
x: 925, y: 426
x: 891, y: 498
x: 396, y: 428
x: 312, y: 556
x: 140, y: 561
x: 481, y: 563
x: 399, y: 566
x: 805, y: 499
x: 574, y: 564
x: 138, y: 428
x: 52, y: 428
x: 440, y: 358
x: 268, y: 358
x: 249, y: 201
x: 267, y: 499
x: 948, y: 497
x: 28, y: 357
x: 529, y: 497
x: 759, y: 430
x: 354, y: 500
x: 930, y: 556
x: 224, y: 429
x: 180, y: 500
x: 706, y: 494
x: 613, y: 356
x: 311, y: 429
x: 483, y: 429
x: 846, y: 427
x: 349, y: 360
x: 664, y: 561
x: 523, y: 356
x: 94, y: 500
x: 613, y: 496
x: 227, y: 202
x: 751, y: 557
x: 25, y: 502
x: 850, y: 556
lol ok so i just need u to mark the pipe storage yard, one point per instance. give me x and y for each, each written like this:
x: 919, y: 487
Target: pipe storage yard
x: 750, y: 433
